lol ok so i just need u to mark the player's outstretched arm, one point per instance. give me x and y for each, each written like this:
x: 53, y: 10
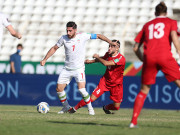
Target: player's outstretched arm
x: 104, y: 38
x: 137, y: 51
x: 87, y: 61
x: 176, y: 41
x: 13, y: 32
x: 104, y: 62
x: 49, y: 54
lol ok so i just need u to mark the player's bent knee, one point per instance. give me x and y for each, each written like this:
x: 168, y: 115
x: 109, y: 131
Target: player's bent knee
x: 177, y: 82
x: 117, y: 108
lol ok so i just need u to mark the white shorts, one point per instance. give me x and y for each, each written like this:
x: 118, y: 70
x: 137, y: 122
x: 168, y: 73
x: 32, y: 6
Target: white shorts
x: 66, y: 75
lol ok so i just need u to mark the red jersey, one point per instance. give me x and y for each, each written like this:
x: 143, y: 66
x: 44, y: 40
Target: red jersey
x: 156, y: 37
x: 114, y: 74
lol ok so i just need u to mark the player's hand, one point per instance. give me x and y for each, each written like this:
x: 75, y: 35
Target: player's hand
x: 115, y: 43
x: 95, y: 56
x: 87, y: 61
x: 19, y: 36
x: 43, y: 62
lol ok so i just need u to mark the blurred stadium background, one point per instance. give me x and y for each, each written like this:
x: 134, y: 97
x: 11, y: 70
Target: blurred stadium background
x: 42, y: 22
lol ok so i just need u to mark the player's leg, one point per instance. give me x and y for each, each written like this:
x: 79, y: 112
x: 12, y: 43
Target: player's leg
x: 81, y: 104
x: 80, y: 78
x: 63, y: 80
x: 177, y: 82
x: 86, y: 97
x: 116, y: 94
x: 171, y: 71
x: 138, y: 104
x: 98, y: 91
x: 115, y: 106
x: 149, y: 71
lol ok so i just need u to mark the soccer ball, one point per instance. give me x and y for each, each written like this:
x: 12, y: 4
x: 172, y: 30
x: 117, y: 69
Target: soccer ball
x: 43, y: 107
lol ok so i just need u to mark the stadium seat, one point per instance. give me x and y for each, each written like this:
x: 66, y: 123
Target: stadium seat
x: 50, y: 4
x: 92, y: 3
x: 133, y: 12
x: 144, y: 12
x: 81, y: 3
x: 101, y: 11
x: 145, y: 4
x: 7, y: 9
x: 27, y: 10
x: 46, y: 18
x: 8, y: 2
x: 103, y: 3
x: 122, y: 11
x: 25, y: 58
x: 80, y: 11
x: 37, y: 58
x: 124, y: 4
x: 29, y: 2
x: 17, y: 10
x: 18, y: 2
x: 135, y: 3
x: 15, y: 17
x: 48, y: 10
x: 38, y: 10
x: 121, y: 19
x: 40, y: 2
x: 113, y: 4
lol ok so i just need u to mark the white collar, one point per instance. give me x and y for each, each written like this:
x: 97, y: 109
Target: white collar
x: 116, y: 55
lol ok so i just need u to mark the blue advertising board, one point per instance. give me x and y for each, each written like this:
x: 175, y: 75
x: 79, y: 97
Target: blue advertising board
x: 24, y: 89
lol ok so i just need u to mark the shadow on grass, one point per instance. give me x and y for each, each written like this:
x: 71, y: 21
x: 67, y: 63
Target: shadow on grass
x: 158, y: 126
x: 84, y: 123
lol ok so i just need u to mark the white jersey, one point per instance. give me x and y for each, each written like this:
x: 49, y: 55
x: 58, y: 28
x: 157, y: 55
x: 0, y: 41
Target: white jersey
x: 3, y: 23
x: 74, y: 49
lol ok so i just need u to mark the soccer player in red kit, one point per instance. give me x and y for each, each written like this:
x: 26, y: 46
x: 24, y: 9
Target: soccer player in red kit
x: 111, y: 81
x: 156, y: 36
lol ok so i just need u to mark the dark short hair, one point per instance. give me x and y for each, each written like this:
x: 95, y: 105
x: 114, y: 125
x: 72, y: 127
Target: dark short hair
x: 71, y: 24
x: 20, y: 45
x: 114, y: 40
x: 160, y: 8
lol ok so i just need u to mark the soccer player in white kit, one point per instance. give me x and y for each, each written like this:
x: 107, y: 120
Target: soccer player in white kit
x: 74, y: 44
x: 4, y: 22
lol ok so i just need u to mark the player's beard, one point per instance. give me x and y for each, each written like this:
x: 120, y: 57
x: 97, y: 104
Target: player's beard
x: 72, y: 36
x: 111, y: 52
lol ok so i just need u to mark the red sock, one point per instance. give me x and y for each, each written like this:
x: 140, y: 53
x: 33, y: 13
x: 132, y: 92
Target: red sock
x: 138, y: 104
x: 111, y: 107
x: 81, y: 104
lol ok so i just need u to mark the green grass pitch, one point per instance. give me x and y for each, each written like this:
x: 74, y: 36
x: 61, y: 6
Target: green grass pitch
x: 25, y: 120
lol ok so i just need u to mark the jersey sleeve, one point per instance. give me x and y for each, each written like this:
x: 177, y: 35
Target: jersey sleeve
x: 174, y: 26
x: 60, y: 42
x: 88, y: 36
x: 178, y: 32
x: 5, y: 21
x: 140, y: 37
x: 12, y: 58
x: 119, y: 61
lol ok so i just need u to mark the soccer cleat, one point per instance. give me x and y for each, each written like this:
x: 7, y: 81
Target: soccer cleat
x: 91, y: 112
x: 64, y: 109
x: 106, y: 111
x: 131, y: 125
x: 72, y: 110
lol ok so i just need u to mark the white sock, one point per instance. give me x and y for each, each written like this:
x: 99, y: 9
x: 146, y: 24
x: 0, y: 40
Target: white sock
x: 86, y: 98
x: 63, y: 98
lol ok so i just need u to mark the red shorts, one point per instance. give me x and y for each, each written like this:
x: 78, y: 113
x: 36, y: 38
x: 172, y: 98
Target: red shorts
x: 116, y: 92
x: 167, y: 65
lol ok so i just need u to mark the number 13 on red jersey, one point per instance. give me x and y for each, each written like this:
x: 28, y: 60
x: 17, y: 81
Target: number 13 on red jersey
x: 156, y: 30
